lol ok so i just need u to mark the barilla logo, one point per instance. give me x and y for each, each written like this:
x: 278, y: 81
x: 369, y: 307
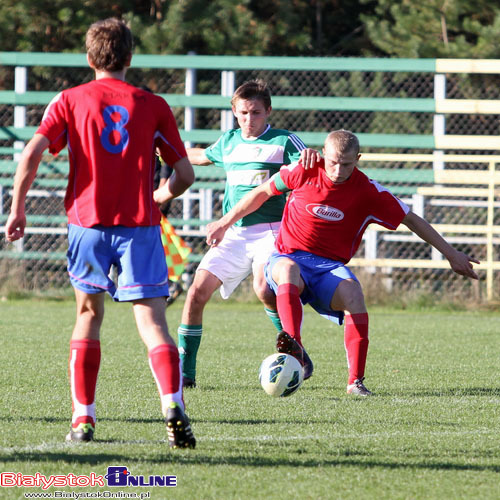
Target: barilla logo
x: 325, y: 212
x: 120, y: 476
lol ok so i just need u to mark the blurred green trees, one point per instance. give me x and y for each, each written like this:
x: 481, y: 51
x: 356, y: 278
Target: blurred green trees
x: 399, y: 28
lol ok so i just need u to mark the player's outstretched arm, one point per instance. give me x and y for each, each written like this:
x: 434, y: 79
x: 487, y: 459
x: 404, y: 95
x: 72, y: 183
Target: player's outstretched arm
x: 181, y: 179
x: 248, y: 204
x: 197, y: 156
x: 25, y: 175
x: 459, y: 261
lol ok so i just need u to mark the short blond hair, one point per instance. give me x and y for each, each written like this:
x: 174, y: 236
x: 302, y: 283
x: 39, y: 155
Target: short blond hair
x: 343, y: 141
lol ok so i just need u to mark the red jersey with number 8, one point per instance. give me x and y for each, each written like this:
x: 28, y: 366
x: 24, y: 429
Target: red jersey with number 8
x: 111, y: 129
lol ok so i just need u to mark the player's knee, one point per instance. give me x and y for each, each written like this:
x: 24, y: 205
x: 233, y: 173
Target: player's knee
x: 286, y: 271
x: 91, y: 310
x: 263, y: 292
x: 197, y: 296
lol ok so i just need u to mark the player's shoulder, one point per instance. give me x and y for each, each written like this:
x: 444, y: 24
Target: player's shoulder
x: 60, y: 99
x: 233, y: 133
x: 360, y: 181
x: 72, y: 92
x: 360, y: 176
x: 296, y: 172
x: 229, y: 138
x: 148, y: 97
x: 279, y: 132
x: 285, y: 138
x: 369, y: 184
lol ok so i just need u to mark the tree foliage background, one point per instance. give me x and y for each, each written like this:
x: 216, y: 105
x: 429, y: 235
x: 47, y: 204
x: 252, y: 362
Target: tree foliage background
x: 398, y: 28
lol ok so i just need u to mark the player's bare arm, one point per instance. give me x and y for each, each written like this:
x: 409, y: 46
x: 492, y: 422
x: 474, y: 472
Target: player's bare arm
x: 248, y: 204
x: 459, y: 261
x: 197, y: 156
x: 25, y: 175
x: 180, y: 180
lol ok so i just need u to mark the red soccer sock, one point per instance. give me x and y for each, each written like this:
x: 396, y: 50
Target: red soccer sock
x: 166, y: 367
x: 290, y: 309
x: 84, y: 362
x: 356, y: 344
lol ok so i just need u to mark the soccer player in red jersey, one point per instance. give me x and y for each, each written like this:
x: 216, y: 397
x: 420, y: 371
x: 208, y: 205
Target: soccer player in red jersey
x: 327, y: 212
x: 111, y: 130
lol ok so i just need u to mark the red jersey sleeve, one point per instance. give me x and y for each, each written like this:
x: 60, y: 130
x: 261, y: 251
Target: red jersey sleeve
x: 291, y: 177
x: 54, y: 125
x: 386, y: 209
x: 168, y: 139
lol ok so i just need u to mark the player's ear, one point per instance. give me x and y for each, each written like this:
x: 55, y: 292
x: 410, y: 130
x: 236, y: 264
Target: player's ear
x: 128, y: 61
x: 359, y: 156
x: 89, y: 61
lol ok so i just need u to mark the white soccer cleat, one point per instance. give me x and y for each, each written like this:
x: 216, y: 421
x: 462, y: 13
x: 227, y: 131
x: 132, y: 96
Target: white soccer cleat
x: 358, y: 388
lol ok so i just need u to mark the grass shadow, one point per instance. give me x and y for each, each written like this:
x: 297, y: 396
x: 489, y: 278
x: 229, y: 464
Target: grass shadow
x: 200, y: 457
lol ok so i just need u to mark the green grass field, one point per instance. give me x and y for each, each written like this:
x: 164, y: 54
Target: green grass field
x: 431, y: 431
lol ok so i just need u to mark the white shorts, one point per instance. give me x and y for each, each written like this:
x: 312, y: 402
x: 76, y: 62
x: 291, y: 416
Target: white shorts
x: 241, y: 252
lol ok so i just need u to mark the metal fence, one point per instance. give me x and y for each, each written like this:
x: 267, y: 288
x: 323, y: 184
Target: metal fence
x: 443, y: 111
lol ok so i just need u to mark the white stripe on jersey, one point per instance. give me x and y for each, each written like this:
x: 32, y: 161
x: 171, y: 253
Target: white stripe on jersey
x: 261, y: 153
x: 212, y: 146
x: 53, y: 100
x: 297, y: 142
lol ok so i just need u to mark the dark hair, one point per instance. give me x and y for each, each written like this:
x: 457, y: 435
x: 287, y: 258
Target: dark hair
x: 109, y: 44
x: 254, y: 89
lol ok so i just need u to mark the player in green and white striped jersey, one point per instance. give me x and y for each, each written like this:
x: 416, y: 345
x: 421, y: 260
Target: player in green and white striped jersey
x: 250, y: 155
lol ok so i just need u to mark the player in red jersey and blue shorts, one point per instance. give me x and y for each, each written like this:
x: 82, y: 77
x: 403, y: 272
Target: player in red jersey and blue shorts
x: 328, y: 209
x: 111, y: 130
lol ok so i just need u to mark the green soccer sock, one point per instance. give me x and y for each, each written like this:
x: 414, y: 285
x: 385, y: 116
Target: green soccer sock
x: 189, y: 338
x: 274, y: 317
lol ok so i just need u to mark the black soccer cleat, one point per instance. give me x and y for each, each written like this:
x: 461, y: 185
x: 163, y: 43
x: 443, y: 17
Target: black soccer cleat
x: 179, y: 430
x: 308, y: 365
x: 81, y: 433
x: 188, y: 383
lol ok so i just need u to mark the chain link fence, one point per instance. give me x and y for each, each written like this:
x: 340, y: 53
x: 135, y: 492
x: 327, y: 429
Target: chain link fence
x: 44, y: 245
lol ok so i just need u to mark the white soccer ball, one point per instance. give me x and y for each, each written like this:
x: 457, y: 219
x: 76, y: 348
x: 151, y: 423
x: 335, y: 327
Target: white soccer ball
x: 280, y: 375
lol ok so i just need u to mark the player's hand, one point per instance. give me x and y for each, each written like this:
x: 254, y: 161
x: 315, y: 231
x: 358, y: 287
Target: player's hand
x: 309, y: 158
x: 462, y: 264
x: 215, y: 233
x: 14, y: 227
x: 160, y: 195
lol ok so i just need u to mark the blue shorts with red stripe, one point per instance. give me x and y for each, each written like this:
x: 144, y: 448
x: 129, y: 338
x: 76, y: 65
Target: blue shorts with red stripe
x: 136, y: 253
x: 321, y: 277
